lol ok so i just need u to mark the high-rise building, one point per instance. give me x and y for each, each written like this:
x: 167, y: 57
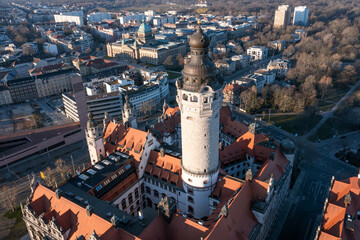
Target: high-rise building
x: 282, y: 16
x: 199, y: 99
x: 301, y: 15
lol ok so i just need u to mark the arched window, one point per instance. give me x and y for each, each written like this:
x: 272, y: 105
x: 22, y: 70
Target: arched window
x: 149, y: 202
x: 156, y: 193
x: 136, y: 193
x: 130, y: 198
x: 123, y: 204
x: 190, y: 209
x: 190, y: 191
x: 185, y: 97
x: 148, y: 190
x: 194, y: 99
x: 190, y: 199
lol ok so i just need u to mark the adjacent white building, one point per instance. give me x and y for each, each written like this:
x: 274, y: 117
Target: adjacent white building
x: 257, y: 53
x: 98, y: 16
x: 301, y: 15
x: 71, y: 17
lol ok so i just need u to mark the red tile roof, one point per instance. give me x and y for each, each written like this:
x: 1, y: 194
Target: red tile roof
x: 240, y: 220
x: 166, y: 168
x: 130, y: 141
x: 337, y: 211
x: 230, y: 127
x: 71, y: 216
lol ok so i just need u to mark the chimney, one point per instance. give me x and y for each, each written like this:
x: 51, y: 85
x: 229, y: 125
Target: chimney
x: 347, y: 199
x: 58, y: 193
x: 249, y: 175
x: 224, y: 211
x: 167, y: 207
x: 89, y: 210
x: 162, y: 152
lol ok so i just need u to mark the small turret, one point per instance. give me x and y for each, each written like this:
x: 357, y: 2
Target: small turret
x: 106, y: 121
x: 94, y: 139
x: 167, y: 207
x: 128, y: 115
x: 91, y: 122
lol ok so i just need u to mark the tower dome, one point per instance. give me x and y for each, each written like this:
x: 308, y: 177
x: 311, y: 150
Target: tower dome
x: 144, y: 28
x: 199, y: 71
x: 199, y: 39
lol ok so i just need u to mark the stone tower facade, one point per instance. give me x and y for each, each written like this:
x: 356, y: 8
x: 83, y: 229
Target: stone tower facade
x: 128, y: 115
x: 199, y: 97
x: 94, y: 139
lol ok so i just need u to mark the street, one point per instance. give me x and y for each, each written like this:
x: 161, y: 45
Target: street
x: 301, y: 214
x: 18, y: 174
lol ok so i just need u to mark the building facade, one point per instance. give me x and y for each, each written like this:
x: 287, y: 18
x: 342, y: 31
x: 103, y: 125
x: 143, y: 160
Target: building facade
x: 257, y: 53
x: 145, y: 48
x: 301, y: 15
x: 282, y: 16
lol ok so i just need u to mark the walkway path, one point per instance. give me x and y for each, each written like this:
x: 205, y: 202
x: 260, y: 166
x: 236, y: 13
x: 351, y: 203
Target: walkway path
x: 331, y: 112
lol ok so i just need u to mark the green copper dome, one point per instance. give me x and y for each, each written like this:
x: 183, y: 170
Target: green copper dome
x: 144, y: 28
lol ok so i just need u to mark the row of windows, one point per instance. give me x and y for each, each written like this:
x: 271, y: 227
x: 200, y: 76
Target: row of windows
x: 131, y: 199
x: 160, y: 184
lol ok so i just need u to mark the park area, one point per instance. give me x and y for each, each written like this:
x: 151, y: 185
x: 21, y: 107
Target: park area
x: 295, y: 124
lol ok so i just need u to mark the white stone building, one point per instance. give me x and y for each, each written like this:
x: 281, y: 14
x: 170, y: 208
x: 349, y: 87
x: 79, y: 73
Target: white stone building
x: 257, y: 53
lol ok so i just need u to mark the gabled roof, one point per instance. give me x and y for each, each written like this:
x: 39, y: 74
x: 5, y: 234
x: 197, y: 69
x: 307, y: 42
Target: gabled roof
x: 126, y: 140
x: 230, y: 127
x: 338, y: 211
x: 73, y: 217
x: 166, y: 126
x: 179, y: 228
x: 275, y: 167
x: 166, y: 168
x: 239, y: 207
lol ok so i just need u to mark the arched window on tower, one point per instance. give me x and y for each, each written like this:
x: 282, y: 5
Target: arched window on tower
x: 194, y: 99
x: 185, y: 97
x: 190, y: 209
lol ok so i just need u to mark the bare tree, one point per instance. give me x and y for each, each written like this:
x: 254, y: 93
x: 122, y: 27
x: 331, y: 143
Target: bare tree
x: 9, y: 197
x: 50, y: 178
x: 325, y: 84
x: 62, y: 168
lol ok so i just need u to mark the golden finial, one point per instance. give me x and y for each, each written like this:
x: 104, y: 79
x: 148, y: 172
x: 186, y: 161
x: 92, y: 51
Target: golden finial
x: 199, y: 23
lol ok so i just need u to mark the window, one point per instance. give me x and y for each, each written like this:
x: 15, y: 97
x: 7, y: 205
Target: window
x: 190, y: 199
x: 156, y: 193
x: 130, y: 197
x: 190, y: 191
x: 163, y: 195
x: 123, y: 204
x: 142, y: 188
x: 136, y: 193
x: 190, y: 209
x: 215, y: 204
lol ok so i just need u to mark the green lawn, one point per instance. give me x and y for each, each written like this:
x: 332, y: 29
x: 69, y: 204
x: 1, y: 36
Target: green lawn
x: 173, y: 75
x: 19, y: 229
x: 325, y: 105
x: 331, y: 127
x: 295, y: 123
x: 337, y: 94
